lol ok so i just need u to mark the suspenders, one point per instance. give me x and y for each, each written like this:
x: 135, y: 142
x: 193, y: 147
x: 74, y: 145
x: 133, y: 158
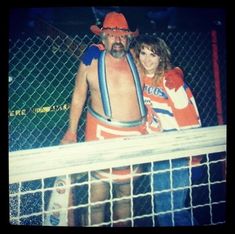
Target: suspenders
x: 104, y: 88
x: 103, y: 85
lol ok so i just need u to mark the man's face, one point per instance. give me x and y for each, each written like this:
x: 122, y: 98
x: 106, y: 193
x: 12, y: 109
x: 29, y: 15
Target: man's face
x: 117, y: 46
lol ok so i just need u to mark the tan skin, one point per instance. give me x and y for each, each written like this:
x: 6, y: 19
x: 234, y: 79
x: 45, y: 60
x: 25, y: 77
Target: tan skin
x: 124, y: 106
x: 120, y: 86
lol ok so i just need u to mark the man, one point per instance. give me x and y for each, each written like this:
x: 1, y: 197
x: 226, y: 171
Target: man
x: 115, y: 108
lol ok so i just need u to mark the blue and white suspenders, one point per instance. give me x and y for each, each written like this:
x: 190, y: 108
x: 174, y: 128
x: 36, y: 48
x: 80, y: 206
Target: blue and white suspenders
x: 104, y: 88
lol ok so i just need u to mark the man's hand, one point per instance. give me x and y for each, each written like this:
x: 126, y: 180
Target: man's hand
x: 69, y: 138
x: 174, y: 78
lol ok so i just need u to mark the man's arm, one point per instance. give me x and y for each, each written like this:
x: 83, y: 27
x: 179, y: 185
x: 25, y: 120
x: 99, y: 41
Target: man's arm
x: 77, y: 104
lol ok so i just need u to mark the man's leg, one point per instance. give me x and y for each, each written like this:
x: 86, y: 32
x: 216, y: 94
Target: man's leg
x: 99, y: 192
x: 123, y: 206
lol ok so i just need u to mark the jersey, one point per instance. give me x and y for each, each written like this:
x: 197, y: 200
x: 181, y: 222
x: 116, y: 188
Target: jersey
x: 172, y: 110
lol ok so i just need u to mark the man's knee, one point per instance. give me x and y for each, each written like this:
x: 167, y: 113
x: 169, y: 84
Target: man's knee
x: 122, y: 190
x: 99, y: 191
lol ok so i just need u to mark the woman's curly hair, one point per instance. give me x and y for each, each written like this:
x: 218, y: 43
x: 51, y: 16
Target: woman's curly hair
x: 157, y: 46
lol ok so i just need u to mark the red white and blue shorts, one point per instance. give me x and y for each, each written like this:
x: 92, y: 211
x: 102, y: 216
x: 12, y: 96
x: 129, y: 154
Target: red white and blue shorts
x: 99, y: 128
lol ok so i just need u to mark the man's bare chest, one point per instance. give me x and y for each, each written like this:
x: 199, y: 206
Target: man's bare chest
x: 118, y: 77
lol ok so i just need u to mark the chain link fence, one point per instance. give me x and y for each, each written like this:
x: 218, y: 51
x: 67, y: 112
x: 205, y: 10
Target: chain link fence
x: 42, y: 72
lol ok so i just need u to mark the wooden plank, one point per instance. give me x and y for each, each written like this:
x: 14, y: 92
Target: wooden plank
x: 46, y: 162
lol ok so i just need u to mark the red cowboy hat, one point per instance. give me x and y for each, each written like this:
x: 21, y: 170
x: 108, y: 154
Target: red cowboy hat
x: 115, y: 24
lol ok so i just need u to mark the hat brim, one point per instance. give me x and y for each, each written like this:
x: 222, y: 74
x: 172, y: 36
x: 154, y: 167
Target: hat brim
x: 96, y: 30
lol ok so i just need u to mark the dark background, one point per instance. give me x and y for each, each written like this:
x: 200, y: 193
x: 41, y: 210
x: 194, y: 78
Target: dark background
x: 77, y: 20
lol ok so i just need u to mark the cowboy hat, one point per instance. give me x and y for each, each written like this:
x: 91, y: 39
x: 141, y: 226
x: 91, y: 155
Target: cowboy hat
x: 114, y: 24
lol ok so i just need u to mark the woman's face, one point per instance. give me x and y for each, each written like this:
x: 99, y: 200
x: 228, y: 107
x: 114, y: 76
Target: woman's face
x: 149, y: 60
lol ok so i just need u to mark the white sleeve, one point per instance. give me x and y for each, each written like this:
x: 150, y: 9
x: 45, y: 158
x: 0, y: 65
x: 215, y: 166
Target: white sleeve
x: 179, y: 97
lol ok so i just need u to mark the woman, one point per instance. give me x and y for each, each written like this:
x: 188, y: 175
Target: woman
x: 171, y: 106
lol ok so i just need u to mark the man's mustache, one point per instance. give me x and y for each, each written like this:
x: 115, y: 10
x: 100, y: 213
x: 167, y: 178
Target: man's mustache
x: 118, y: 44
